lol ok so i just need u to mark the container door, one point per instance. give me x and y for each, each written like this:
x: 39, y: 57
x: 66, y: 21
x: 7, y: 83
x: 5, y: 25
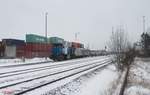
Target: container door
x: 10, y: 51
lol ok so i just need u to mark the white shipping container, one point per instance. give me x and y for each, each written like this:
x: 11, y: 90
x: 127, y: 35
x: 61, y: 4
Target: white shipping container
x: 65, y: 51
x: 67, y: 44
x: 85, y: 52
x: 10, y: 51
x: 78, y: 52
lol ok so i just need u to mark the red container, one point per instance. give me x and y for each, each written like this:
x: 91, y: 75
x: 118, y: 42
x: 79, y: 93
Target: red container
x: 20, y: 50
x: 36, y: 54
x: 2, y: 49
x: 28, y: 54
x: 38, y: 47
x: 76, y: 45
x: 37, y: 50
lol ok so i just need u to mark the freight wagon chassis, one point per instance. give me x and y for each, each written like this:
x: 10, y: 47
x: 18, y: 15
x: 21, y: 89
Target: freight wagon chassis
x: 57, y: 58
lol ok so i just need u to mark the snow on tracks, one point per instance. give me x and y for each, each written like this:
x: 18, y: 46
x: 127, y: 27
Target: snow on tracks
x: 40, y: 78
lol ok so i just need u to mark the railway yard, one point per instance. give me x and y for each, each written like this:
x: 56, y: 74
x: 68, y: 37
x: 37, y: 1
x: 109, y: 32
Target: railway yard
x: 26, y: 79
x: 74, y: 47
x: 41, y: 62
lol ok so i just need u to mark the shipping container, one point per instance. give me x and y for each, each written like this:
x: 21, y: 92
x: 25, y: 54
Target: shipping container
x: 72, y: 51
x: 32, y: 54
x: 93, y: 52
x: 1, y: 50
x: 56, y: 40
x: 38, y: 47
x: 77, y: 45
x: 56, y: 51
x: 28, y: 47
x: 85, y: 52
x: 32, y: 38
x: 38, y: 50
x: 65, y: 51
x: 10, y: 42
x: 78, y: 52
x: 81, y: 45
x: 67, y: 44
x: 10, y: 51
x: 28, y: 54
x: 20, y: 51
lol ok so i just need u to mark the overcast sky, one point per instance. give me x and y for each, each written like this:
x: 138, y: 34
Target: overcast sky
x: 93, y: 19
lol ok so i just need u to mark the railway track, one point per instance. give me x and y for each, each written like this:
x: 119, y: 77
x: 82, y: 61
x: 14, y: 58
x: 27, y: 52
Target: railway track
x: 20, y: 77
x: 36, y: 63
x: 70, y: 75
x: 29, y: 84
x: 25, y: 64
x: 22, y: 70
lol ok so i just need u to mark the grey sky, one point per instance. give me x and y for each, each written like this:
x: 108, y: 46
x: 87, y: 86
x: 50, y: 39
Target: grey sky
x: 92, y: 18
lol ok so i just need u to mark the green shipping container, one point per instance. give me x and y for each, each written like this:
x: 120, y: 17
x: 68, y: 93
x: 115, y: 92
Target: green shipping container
x: 32, y: 38
x: 56, y: 40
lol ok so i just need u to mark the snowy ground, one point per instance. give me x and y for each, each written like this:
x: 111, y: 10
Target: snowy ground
x: 16, y: 76
x: 20, y: 61
x: 94, y: 83
x: 102, y: 81
x: 139, y: 78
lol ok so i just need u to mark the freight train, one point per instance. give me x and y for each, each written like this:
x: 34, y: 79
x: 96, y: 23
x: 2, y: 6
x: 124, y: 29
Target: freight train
x: 38, y: 46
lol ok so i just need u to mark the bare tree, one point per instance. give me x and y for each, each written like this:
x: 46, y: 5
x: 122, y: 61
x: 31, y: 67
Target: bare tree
x: 118, y: 45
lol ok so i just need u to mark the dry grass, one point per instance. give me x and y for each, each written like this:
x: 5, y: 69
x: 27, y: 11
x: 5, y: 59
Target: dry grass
x: 137, y: 77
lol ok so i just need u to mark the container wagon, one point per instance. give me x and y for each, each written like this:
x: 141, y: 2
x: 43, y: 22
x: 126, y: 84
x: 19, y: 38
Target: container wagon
x: 63, y: 50
x: 1, y: 50
x: 11, y: 47
x: 37, y: 46
x: 37, y: 50
x: 57, y: 48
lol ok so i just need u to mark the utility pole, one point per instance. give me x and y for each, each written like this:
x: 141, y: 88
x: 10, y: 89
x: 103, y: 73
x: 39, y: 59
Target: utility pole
x: 76, y: 34
x: 112, y: 30
x: 143, y: 24
x: 46, y: 14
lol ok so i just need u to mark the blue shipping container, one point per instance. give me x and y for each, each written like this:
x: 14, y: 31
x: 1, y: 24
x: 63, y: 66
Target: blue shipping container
x: 56, y: 51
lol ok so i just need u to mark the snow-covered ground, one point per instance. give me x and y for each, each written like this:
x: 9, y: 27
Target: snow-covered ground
x: 139, y: 78
x: 4, y: 62
x: 16, y: 61
x: 97, y: 82
x: 60, y: 66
